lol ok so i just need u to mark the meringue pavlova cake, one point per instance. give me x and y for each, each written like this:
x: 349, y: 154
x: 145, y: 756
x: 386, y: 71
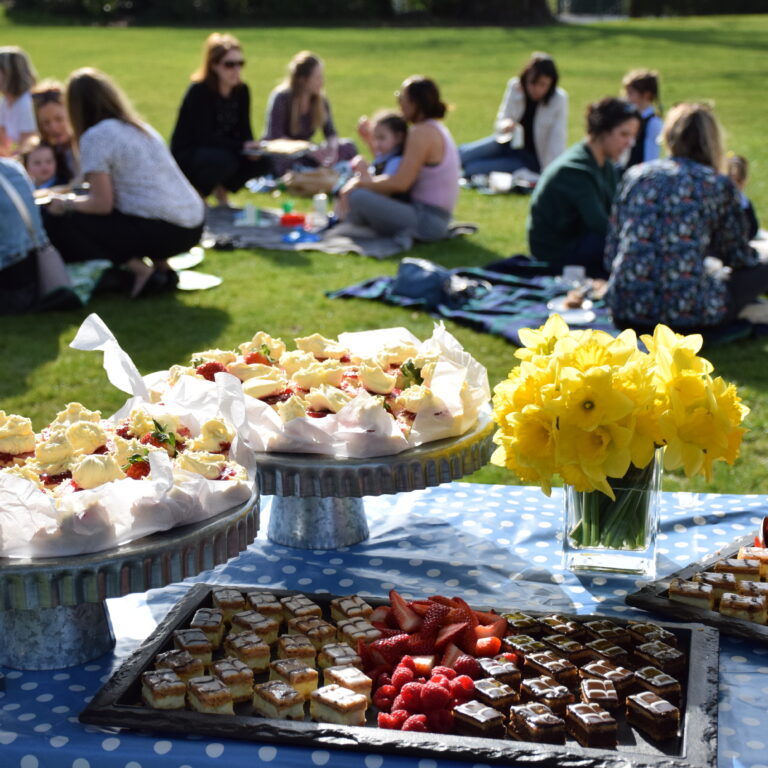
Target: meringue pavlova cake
x: 87, y: 483
x: 364, y: 394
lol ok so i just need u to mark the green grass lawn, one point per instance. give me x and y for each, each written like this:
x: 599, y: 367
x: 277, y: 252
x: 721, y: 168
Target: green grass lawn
x: 718, y: 59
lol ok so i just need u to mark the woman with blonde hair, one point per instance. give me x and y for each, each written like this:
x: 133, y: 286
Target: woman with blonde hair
x: 139, y: 203
x: 54, y: 127
x: 298, y: 108
x: 213, y: 127
x: 17, y: 117
x: 669, y: 216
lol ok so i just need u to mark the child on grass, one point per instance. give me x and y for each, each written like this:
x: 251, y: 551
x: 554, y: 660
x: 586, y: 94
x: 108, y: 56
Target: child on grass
x: 738, y: 169
x: 641, y: 88
x: 39, y: 160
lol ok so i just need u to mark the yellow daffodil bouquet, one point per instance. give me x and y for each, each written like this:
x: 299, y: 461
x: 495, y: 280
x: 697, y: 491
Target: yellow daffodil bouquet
x: 594, y: 409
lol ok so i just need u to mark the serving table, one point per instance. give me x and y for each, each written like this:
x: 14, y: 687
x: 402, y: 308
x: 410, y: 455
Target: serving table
x: 494, y: 545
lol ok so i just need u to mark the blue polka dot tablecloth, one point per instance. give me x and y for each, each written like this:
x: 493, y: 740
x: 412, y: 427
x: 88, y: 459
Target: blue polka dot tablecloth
x: 495, y: 545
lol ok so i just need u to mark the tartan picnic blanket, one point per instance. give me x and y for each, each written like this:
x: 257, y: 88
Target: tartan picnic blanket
x: 506, y: 296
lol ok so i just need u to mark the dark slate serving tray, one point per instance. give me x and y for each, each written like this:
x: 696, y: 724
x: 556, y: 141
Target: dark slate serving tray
x: 118, y: 704
x: 653, y: 597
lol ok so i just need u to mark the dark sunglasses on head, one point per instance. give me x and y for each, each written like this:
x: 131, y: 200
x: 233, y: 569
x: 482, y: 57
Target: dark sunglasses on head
x: 52, y: 95
x: 234, y: 63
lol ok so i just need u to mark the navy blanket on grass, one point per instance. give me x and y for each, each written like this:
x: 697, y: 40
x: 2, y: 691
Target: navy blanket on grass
x: 500, y: 299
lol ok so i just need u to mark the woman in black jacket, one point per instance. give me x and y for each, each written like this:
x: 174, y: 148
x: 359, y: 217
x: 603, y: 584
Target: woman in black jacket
x: 213, y: 129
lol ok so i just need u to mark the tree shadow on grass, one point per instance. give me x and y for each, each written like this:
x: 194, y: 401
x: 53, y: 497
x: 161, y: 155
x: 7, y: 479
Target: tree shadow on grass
x: 156, y: 332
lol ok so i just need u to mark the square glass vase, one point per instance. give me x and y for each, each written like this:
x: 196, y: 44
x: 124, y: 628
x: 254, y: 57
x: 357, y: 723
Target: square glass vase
x: 615, y: 536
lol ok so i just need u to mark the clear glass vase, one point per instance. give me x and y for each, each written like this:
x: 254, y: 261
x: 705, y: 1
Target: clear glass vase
x: 615, y: 536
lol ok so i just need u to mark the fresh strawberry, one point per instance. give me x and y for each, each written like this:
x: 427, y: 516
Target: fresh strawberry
x: 387, y: 632
x: 440, y: 721
x: 488, y: 646
x: 469, y: 666
x: 209, y: 369
x: 486, y: 617
x: 434, y: 696
x: 448, y: 672
x: 391, y: 648
x: 411, y: 695
x: 442, y: 600
x: 463, y: 688
x: 137, y: 467
x: 423, y: 665
x: 253, y: 358
x: 394, y: 720
x: 466, y: 641
x: 420, y: 606
x: 451, y: 652
x: 415, y: 723
x: 365, y: 656
x: 384, y: 697
x: 160, y: 438
x: 448, y: 633
x: 380, y: 614
x: 407, y: 661
x: 407, y: 619
x: 497, y: 629
x: 401, y: 676
x: 124, y: 430
x: 419, y: 644
x: 433, y: 619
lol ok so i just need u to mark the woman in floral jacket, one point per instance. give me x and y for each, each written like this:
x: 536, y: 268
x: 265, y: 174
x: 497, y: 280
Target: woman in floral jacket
x: 670, y: 215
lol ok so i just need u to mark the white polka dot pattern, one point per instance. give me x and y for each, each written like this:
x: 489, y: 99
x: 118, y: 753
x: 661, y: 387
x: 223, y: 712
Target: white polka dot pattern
x: 492, y: 544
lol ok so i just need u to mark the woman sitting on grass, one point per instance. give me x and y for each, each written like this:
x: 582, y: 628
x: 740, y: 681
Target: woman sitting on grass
x: 298, y: 108
x: 213, y: 128
x: 429, y: 169
x: 569, y: 212
x: 17, y: 118
x: 533, y: 109
x: 669, y: 216
x: 139, y: 203
x: 55, y: 129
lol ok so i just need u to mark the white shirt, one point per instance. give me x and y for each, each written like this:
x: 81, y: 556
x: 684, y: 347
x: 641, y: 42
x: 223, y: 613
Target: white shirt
x: 145, y: 178
x: 18, y: 118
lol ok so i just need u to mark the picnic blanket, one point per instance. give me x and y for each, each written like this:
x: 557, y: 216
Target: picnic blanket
x: 223, y: 232
x: 501, y: 298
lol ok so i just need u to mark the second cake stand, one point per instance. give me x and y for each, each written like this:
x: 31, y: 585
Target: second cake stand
x: 318, y: 501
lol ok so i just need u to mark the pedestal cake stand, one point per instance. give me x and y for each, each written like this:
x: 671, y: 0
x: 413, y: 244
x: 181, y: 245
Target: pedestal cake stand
x: 318, y: 502
x: 52, y: 610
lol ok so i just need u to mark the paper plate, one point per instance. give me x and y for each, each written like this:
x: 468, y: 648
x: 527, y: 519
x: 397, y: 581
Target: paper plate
x: 558, y: 305
x: 190, y: 280
x: 187, y: 260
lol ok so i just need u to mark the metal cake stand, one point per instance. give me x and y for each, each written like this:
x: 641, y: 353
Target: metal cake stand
x: 52, y: 610
x: 318, y: 499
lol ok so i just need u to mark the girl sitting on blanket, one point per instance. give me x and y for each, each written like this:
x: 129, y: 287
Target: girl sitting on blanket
x: 670, y: 215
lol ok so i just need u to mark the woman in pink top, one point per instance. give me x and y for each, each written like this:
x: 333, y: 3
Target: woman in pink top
x: 429, y: 170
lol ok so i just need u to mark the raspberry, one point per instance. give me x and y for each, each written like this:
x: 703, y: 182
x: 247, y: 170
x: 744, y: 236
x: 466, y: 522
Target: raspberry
x: 383, y: 679
x: 434, y: 696
x: 394, y: 720
x: 401, y: 676
x: 415, y: 723
x: 462, y: 687
x: 440, y: 721
x: 207, y: 370
x: 384, y: 697
x: 442, y: 681
x: 399, y: 703
x: 407, y: 661
x: 445, y: 671
x: 470, y: 666
x: 411, y: 693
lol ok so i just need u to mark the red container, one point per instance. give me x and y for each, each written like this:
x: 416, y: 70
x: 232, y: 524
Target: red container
x: 292, y: 220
